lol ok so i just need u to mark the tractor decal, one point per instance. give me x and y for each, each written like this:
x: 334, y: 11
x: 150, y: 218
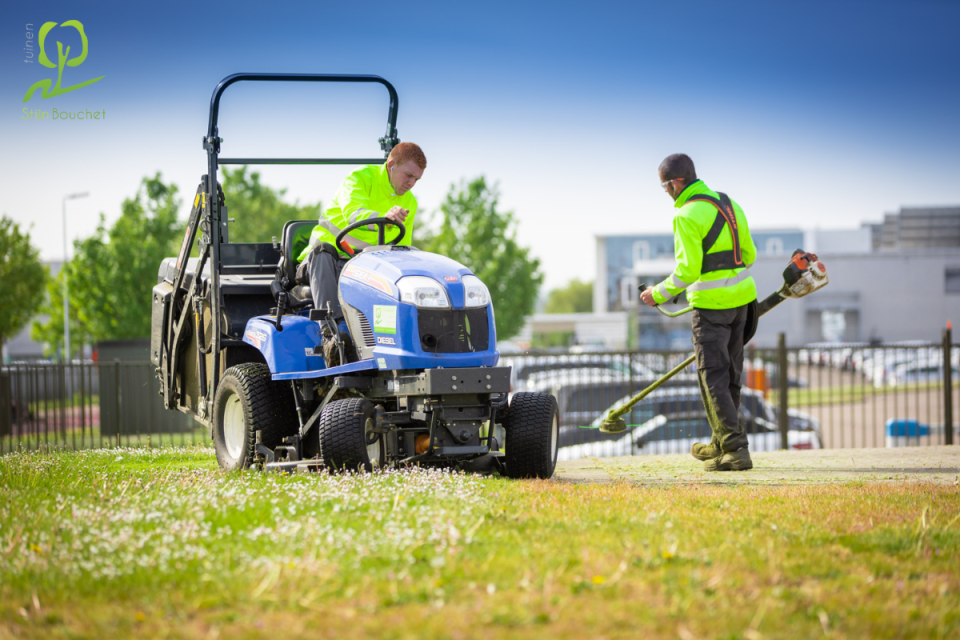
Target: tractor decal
x: 368, y: 278
x: 258, y: 338
x: 384, y: 318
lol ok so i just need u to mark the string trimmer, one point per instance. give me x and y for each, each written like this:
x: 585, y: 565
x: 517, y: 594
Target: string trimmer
x: 804, y: 275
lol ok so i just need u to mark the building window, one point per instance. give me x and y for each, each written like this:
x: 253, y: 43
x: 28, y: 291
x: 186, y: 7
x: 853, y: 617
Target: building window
x: 628, y: 293
x: 952, y: 280
x: 833, y: 325
x: 641, y: 250
x: 775, y: 246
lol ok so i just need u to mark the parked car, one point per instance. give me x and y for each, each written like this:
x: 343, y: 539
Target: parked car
x: 898, y: 365
x: 670, y: 420
x: 584, y: 394
x: 525, y: 367
x: 664, y: 435
x: 555, y: 378
x: 909, y: 372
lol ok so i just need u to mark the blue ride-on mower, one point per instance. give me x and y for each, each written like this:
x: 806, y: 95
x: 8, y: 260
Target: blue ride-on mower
x: 412, y: 380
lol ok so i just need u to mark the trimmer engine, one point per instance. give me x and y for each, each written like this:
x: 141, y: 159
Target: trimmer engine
x: 804, y: 275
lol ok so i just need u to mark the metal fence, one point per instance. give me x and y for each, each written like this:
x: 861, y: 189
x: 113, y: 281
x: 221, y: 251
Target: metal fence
x: 87, y: 405
x: 833, y: 396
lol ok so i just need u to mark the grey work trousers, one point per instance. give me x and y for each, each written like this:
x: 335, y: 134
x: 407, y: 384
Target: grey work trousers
x: 323, y: 269
x: 718, y: 344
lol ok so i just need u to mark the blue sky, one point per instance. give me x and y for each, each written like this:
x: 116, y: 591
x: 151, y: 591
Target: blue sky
x: 810, y: 114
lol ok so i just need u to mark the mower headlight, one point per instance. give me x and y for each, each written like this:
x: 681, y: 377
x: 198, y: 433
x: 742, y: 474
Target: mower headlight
x: 475, y: 292
x: 423, y: 292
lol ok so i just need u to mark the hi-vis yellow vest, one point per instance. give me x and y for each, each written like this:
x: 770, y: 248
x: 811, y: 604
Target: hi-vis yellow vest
x: 365, y: 193
x: 725, y: 288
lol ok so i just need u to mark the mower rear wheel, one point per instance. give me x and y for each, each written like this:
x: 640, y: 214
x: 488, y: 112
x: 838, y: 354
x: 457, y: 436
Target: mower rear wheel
x: 347, y: 439
x: 532, y: 433
x: 247, y: 401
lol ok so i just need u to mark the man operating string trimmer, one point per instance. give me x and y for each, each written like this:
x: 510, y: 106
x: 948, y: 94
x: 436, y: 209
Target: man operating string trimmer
x: 714, y: 253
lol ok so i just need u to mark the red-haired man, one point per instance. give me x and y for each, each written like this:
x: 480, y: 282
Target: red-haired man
x: 372, y: 191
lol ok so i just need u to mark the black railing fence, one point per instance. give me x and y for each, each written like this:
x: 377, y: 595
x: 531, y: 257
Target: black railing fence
x: 833, y: 396
x: 87, y: 405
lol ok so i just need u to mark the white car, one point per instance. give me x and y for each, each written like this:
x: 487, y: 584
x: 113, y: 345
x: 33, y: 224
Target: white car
x: 891, y: 366
x: 919, y: 371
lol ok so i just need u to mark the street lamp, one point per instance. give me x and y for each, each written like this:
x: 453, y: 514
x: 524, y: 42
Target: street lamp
x: 66, y: 290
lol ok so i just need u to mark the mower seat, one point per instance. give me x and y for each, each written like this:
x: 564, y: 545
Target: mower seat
x: 295, y: 238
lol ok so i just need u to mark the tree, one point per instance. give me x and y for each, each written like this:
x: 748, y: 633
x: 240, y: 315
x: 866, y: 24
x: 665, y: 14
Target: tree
x: 23, y: 277
x: 259, y: 210
x: 112, y: 272
x: 473, y: 231
x: 576, y: 297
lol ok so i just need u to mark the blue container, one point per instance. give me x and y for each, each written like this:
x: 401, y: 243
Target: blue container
x: 906, y: 428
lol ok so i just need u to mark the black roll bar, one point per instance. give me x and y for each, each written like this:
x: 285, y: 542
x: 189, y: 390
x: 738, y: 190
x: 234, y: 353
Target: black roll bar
x: 387, y: 142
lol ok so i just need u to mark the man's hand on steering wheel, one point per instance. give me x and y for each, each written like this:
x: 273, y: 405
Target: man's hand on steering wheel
x: 381, y: 223
x: 397, y: 214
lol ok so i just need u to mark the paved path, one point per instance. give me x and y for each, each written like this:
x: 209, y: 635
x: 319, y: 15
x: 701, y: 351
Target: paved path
x: 939, y: 464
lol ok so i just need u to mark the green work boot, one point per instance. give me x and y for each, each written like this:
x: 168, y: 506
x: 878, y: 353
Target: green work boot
x: 706, y: 451
x: 738, y: 460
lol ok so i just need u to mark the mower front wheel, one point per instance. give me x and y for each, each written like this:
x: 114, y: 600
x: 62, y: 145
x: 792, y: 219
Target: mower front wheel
x: 532, y: 432
x: 347, y: 438
x: 247, y: 401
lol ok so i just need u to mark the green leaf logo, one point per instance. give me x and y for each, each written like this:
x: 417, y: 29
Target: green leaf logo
x: 63, y: 60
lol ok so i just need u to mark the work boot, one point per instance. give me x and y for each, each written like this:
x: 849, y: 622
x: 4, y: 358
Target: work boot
x: 706, y: 451
x: 738, y: 460
x: 331, y: 351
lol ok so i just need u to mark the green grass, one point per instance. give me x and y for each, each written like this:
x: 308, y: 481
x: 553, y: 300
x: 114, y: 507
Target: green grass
x: 811, y: 397
x: 54, y: 404
x: 157, y: 543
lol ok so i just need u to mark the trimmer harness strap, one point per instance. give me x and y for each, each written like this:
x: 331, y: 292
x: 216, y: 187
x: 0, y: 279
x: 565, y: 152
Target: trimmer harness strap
x: 726, y: 217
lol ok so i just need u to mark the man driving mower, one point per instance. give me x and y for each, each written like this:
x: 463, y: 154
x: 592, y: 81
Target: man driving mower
x: 372, y: 191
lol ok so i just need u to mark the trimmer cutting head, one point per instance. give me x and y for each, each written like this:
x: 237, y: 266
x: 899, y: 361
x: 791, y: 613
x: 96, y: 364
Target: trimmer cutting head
x: 616, y: 425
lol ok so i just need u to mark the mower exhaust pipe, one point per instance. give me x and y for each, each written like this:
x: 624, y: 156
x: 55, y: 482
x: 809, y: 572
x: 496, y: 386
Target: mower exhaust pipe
x: 804, y: 275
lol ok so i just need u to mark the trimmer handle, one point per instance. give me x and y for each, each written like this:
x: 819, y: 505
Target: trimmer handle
x: 643, y: 287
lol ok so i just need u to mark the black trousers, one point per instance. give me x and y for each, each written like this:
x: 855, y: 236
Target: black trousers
x: 323, y: 269
x: 718, y: 344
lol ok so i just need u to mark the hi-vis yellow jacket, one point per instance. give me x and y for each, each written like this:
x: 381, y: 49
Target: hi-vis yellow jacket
x: 365, y: 193
x: 720, y: 289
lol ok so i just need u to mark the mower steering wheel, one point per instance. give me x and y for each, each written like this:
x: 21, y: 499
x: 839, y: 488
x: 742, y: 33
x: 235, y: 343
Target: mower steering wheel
x: 381, y: 223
